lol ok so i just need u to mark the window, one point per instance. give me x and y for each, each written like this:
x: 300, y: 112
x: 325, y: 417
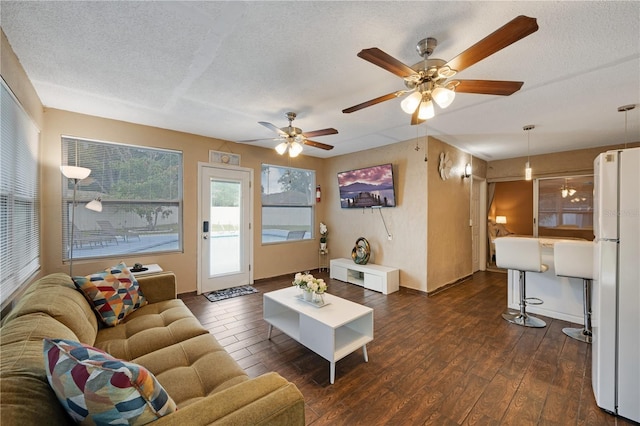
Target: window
x: 19, y: 197
x: 287, y: 203
x: 565, y: 207
x: 141, y: 193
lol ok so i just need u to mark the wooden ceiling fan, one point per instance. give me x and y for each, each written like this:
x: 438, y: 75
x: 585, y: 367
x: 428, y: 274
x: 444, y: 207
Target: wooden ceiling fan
x: 431, y: 80
x: 292, y: 138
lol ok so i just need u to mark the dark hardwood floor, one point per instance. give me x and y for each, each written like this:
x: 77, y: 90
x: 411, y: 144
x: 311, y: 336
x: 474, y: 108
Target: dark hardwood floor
x: 448, y: 359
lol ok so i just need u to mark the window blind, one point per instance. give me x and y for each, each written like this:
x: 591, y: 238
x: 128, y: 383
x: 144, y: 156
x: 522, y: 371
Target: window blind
x: 19, y: 196
x: 140, y: 189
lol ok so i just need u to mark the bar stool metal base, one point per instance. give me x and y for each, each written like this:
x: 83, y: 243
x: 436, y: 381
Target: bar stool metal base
x: 578, y: 334
x: 524, y: 320
x: 583, y: 334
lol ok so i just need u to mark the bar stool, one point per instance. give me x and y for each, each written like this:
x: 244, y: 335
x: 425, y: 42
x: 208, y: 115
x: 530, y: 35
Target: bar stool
x: 575, y: 259
x: 524, y: 255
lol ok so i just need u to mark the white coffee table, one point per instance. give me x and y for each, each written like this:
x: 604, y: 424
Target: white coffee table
x: 332, y: 331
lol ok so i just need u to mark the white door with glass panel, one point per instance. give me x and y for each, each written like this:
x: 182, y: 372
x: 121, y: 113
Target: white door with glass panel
x: 224, y: 249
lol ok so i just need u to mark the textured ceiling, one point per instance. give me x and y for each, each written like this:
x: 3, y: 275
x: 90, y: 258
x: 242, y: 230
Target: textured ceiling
x: 217, y: 68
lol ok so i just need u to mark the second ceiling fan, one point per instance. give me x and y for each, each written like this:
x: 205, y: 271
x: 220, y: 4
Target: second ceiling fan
x: 431, y: 80
x: 293, y: 138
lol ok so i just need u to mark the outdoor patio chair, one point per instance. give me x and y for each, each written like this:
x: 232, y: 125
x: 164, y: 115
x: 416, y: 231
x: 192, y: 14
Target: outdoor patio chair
x: 295, y: 235
x: 109, y: 231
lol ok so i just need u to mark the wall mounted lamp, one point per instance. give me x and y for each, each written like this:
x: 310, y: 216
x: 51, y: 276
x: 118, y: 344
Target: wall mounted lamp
x: 467, y: 171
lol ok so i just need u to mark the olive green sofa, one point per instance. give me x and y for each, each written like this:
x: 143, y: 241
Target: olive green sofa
x: 205, y: 382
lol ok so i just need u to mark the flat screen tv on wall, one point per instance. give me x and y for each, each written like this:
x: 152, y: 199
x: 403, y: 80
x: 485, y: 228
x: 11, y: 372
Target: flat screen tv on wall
x: 367, y: 187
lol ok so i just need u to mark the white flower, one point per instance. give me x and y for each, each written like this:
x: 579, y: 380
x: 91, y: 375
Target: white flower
x: 310, y: 283
x: 323, y: 229
x: 322, y: 286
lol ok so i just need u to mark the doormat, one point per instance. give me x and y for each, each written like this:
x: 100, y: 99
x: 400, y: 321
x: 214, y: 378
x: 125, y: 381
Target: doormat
x: 228, y: 293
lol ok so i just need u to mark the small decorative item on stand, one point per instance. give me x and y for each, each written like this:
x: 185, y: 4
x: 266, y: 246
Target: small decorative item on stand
x: 312, y: 288
x: 361, y: 251
x: 323, y: 236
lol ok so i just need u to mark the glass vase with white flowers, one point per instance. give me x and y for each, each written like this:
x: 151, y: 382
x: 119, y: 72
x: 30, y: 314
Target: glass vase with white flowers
x: 311, y: 287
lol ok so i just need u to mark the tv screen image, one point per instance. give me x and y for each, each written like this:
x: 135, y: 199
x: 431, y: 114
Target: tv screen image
x: 367, y: 187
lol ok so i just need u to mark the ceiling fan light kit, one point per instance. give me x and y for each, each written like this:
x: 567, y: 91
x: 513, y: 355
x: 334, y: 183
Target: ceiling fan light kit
x: 426, y: 110
x: 282, y: 148
x: 411, y: 102
x: 429, y: 79
x: 443, y: 96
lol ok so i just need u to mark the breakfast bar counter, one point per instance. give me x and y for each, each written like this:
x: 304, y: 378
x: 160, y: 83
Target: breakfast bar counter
x: 562, y: 296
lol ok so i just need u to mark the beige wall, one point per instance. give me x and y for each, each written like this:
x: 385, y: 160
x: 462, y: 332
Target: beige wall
x: 407, y: 222
x: 431, y: 242
x: 515, y: 201
x: 451, y: 253
x: 268, y: 260
x: 449, y: 233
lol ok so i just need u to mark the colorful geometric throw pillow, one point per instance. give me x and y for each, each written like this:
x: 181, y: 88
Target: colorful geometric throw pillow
x: 114, y: 293
x: 95, y: 388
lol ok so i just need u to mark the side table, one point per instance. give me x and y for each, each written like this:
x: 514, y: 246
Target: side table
x: 153, y: 268
x: 323, y: 259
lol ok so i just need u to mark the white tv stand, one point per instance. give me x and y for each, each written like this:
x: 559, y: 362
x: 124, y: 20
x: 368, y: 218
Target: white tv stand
x: 373, y: 277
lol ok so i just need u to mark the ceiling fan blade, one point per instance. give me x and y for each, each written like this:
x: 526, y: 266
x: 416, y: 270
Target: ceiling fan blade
x: 318, y: 144
x: 374, y: 101
x: 489, y: 87
x: 314, y: 133
x: 273, y: 127
x: 259, y: 140
x: 513, y: 31
x: 386, y: 61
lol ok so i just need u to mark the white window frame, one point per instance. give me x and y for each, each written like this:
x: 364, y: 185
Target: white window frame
x: 300, y: 200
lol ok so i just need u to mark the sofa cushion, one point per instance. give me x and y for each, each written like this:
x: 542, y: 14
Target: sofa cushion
x: 56, y: 296
x: 193, y: 369
x: 152, y: 327
x: 114, y: 293
x: 96, y: 388
x: 25, y: 394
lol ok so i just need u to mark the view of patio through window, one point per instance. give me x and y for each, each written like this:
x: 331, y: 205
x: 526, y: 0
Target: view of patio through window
x: 287, y: 203
x: 141, y: 193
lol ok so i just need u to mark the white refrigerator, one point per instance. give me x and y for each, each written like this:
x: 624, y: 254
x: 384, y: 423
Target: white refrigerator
x: 616, y: 287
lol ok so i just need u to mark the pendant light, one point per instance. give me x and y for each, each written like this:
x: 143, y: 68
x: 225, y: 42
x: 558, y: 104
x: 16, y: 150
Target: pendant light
x: 528, y: 172
x: 626, y: 109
